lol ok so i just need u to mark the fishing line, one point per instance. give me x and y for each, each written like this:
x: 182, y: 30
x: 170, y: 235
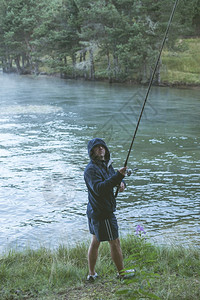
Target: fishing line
x: 150, y: 84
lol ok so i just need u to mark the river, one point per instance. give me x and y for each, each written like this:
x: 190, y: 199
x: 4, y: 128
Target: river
x: 45, y: 124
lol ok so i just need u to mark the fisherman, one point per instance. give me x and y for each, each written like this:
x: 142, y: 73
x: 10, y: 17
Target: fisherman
x: 100, y: 179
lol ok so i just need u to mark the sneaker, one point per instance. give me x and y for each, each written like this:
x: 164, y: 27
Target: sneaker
x: 92, y: 278
x: 126, y: 274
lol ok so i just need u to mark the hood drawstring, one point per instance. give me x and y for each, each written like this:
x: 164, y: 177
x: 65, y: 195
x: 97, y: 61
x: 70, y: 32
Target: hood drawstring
x: 109, y: 163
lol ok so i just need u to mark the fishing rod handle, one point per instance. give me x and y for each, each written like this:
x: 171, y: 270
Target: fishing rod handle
x: 117, y: 191
x: 118, y: 186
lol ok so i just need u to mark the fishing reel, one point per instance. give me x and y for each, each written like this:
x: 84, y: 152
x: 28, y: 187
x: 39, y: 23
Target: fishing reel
x: 129, y: 171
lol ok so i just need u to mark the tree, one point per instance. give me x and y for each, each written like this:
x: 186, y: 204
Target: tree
x: 18, y: 19
x: 56, y: 36
x: 123, y: 36
x: 125, y: 33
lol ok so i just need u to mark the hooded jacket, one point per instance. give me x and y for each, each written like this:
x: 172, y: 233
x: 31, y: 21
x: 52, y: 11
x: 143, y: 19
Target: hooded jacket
x: 100, y: 179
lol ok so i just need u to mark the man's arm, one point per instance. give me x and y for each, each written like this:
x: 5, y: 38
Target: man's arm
x: 94, y: 181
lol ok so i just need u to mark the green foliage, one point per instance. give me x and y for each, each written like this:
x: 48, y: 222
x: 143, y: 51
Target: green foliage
x: 161, y: 272
x: 63, y: 35
x: 143, y: 256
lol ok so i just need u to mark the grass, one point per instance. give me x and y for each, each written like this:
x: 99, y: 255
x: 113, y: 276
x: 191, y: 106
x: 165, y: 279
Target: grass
x: 161, y: 273
x: 182, y: 67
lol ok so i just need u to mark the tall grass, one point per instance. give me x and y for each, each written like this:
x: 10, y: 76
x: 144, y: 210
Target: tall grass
x: 31, y: 273
x: 161, y: 273
x: 183, y: 66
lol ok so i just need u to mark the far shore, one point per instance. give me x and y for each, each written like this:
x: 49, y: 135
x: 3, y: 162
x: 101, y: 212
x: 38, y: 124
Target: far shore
x: 180, y: 85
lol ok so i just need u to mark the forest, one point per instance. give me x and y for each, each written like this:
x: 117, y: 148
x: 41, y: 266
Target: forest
x: 116, y: 40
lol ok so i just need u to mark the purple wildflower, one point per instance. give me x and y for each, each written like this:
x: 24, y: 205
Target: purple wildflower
x: 140, y: 230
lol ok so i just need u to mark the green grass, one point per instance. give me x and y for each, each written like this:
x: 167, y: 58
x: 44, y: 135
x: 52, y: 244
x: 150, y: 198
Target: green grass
x: 182, y: 67
x: 161, y: 273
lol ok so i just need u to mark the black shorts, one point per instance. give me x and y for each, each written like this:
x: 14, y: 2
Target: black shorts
x: 104, y: 230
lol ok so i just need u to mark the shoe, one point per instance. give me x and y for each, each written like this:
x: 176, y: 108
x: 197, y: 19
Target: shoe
x: 92, y: 278
x: 126, y: 274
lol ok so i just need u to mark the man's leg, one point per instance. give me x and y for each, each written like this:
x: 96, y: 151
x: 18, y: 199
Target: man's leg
x: 93, y: 254
x: 116, y: 254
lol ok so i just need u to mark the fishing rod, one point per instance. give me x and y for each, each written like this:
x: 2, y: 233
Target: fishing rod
x: 149, y: 86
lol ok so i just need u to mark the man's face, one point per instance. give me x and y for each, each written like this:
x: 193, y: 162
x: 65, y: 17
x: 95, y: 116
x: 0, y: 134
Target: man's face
x: 99, y: 152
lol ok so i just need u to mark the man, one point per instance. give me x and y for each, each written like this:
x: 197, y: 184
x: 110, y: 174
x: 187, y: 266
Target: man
x: 100, y: 179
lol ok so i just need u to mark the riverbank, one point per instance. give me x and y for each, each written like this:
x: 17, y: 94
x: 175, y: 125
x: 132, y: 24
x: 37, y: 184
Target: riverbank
x: 179, y: 68
x: 161, y: 273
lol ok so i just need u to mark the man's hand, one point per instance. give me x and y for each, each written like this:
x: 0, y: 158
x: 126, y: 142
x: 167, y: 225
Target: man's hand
x: 122, y: 187
x: 123, y: 171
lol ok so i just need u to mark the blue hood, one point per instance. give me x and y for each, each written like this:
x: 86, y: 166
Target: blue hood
x: 94, y: 142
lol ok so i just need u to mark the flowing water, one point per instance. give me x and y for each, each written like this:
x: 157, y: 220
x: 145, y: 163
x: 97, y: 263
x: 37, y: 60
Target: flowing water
x: 45, y: 124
